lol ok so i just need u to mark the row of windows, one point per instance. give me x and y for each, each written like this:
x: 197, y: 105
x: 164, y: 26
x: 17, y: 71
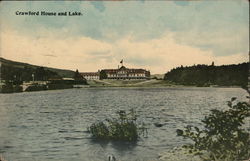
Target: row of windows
x: 91, y: 77
x: 130, y: 75
x: 122, y: 72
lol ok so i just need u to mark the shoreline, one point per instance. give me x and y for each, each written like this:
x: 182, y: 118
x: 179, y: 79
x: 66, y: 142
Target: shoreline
x: 123, y: 87
x: 177, y: 154
x: 106, y: 84
x: 173, y: 86
x: 146, y: 83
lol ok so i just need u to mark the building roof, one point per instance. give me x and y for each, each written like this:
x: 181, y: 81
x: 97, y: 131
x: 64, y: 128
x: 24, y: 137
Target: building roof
x: 123, y: 68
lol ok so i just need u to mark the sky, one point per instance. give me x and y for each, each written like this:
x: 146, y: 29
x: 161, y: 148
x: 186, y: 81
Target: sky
x: 153, y: 35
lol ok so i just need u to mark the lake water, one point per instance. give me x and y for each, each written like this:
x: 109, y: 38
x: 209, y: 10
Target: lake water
x: 51, y: 125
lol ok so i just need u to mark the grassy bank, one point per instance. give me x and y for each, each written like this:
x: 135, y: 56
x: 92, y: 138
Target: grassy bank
x: 129, y: 83
x: 9, y: 88
x: 178, y: 154
x: 143, y: 83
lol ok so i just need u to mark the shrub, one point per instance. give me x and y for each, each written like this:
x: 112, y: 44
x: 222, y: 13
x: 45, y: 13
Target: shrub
x: 59, y: 86
x: 36, y: 87
x: 125, y: 127
x: 223, y: 137
x: 9, y: 88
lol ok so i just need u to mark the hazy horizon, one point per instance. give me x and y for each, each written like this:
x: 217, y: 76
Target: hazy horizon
x: 153, y: 35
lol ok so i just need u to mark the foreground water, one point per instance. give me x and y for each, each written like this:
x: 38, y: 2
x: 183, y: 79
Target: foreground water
x: 51, y: 125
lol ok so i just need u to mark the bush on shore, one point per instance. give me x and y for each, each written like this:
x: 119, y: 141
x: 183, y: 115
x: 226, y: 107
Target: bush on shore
x: 223, y: 137
x: 9, y: 88
x: 124, y: 128
x: 36, y: 87
x: 59, y: 86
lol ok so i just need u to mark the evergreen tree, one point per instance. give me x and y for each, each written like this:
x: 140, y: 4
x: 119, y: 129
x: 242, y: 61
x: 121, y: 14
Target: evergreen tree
x: 78, y: 76
x: 204, y: 75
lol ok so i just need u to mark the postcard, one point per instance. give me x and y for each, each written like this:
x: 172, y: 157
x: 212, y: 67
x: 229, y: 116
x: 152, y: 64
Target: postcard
x: 139, y: 80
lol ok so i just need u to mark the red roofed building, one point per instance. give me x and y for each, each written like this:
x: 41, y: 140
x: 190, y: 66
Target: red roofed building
x: 124, y: 73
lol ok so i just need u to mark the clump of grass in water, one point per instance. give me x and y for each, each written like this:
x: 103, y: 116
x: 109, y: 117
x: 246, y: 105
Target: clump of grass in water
x: 123, y: 128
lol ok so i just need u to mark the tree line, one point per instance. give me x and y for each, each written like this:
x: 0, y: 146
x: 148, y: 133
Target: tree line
x: 18, y: 75
x: 12, y: 73
x: 206, y: 75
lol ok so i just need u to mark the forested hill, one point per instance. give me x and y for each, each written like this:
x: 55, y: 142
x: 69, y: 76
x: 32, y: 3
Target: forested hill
x: 206, y: 75
x: 24, y: 71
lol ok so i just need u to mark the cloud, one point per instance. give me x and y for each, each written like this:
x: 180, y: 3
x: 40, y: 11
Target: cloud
x: 98, y: 5
x: 49, y: 55
x: 217, y: 26
x: 181, y: 3
x: 86, y: 54
x: 110, y: 20
x: 165, y: 53
x: 219, y: 42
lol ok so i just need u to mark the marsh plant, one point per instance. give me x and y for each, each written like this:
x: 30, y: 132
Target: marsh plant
x: 223, y: 137
x: 124, y: 128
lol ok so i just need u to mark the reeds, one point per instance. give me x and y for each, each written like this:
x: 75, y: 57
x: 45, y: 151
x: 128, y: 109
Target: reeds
x: 125, y: 127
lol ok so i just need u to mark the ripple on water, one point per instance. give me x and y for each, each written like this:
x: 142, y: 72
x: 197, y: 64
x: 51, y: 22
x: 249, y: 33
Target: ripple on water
x: 56, y: 130
x: 74, y: 138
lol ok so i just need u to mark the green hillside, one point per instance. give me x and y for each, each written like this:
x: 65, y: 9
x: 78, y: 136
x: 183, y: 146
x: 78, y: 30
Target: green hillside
x: 206, y: 75
x: 24, y: 71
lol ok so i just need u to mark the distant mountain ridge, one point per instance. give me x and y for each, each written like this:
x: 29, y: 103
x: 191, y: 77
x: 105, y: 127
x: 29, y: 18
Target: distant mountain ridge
x: 18, y: 65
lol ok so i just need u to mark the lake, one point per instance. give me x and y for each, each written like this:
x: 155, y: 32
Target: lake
x: 52, y: 125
